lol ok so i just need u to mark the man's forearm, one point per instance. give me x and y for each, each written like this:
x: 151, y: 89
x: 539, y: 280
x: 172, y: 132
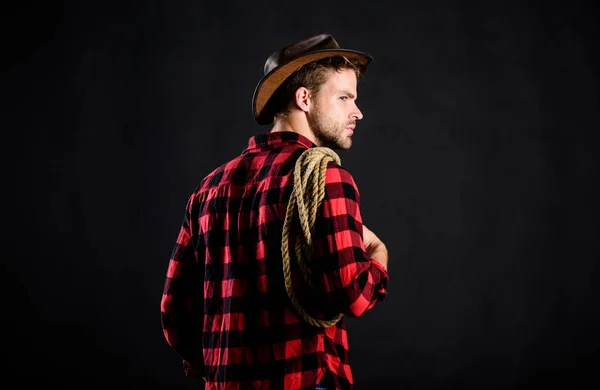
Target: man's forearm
x: 380, y: 254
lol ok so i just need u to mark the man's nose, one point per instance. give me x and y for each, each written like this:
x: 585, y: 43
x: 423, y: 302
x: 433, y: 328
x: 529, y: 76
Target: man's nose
x: 356, y: 114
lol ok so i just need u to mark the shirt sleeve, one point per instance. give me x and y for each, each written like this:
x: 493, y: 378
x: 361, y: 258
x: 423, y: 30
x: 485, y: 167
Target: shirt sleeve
x: 182, y: 298
x: 353, y: 281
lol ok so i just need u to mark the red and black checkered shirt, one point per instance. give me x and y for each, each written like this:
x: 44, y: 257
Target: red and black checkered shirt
x: 225, y: 309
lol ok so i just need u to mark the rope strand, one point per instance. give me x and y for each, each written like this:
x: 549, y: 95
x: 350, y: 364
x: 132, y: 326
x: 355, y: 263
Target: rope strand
x: 308, y: 193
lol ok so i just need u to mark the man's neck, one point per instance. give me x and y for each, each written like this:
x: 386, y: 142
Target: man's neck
x: 295, y: 124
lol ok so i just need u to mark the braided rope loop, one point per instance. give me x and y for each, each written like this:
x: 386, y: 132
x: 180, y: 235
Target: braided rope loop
x: 307, y: 195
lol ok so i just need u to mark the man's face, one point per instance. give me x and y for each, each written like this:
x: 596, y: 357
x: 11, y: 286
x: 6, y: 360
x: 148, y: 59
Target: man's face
x: 334, y: 112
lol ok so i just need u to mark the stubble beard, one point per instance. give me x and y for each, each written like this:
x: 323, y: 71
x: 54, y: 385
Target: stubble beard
x: 328, y: 132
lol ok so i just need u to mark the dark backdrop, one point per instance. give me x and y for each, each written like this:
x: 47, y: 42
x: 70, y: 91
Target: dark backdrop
x: 476, y: 160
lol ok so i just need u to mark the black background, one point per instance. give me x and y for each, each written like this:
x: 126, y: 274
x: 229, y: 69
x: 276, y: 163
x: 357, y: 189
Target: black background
x: 476, y: 161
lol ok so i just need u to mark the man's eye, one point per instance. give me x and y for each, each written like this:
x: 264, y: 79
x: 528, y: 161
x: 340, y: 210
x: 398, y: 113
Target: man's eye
x: 343, y: 97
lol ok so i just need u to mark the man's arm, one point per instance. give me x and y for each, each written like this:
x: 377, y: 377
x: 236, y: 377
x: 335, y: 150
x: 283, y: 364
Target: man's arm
x: 352, y: 278
x: 182, y: 300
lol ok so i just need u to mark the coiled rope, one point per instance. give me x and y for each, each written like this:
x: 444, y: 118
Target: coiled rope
x: 307, y: 194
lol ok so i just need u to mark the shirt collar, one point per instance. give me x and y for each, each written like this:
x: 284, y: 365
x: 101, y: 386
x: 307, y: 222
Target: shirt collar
x: 269, y: 140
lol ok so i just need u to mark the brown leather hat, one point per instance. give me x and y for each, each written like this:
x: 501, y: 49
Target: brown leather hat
x: 280, y: 65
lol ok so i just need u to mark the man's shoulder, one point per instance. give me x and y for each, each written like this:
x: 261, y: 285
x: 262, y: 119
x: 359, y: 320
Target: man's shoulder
x: 216, y: 176
x: 336, y: 173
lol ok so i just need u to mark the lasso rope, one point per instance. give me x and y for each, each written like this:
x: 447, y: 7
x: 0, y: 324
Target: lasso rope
x: 307, y: 193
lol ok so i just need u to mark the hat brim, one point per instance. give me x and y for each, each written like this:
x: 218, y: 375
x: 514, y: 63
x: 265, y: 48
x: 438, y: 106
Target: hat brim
x: 271, y: 81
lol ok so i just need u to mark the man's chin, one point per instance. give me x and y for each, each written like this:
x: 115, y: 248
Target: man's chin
x: 345, y: 145
x: 336, y: 144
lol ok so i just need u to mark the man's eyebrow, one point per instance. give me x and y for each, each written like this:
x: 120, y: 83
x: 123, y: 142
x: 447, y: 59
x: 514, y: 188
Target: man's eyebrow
x: 350, y: 94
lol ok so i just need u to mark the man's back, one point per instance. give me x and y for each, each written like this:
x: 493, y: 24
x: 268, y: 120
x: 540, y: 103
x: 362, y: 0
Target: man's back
x: 251, y: 336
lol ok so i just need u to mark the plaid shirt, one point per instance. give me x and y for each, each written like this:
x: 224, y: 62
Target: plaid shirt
x: 225, y: 309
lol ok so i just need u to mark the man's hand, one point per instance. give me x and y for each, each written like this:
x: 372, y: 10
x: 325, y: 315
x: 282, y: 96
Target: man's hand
x: 375, y: 247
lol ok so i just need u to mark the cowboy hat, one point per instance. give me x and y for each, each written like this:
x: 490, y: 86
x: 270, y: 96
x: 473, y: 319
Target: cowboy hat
x: 280, y: 65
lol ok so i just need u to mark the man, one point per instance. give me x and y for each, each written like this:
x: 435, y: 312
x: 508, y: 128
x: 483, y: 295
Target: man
x: 227, y: 308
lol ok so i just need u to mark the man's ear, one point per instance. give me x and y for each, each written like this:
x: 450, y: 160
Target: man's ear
x: 303, y: 99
